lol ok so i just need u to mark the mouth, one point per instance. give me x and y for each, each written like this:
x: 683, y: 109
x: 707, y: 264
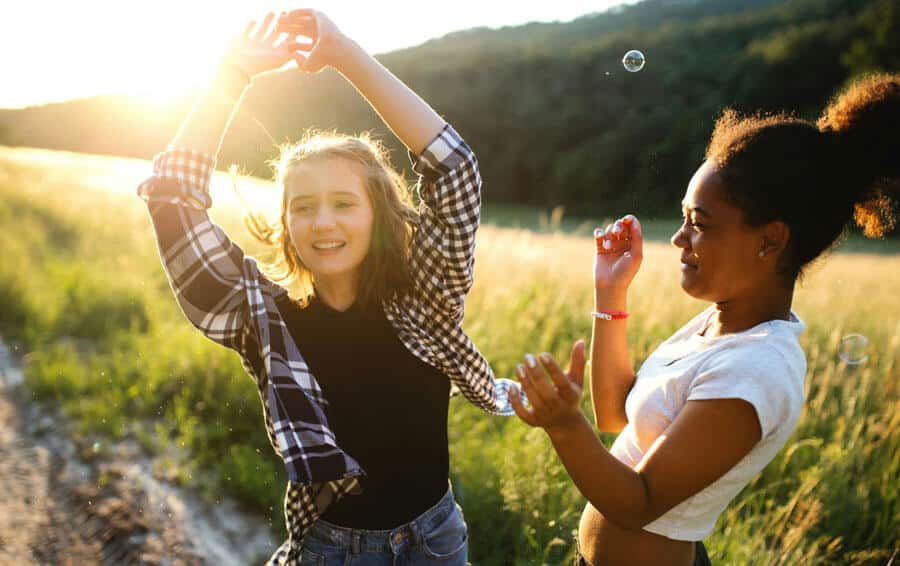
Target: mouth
x: 686, y: 264
x: 328, y: 245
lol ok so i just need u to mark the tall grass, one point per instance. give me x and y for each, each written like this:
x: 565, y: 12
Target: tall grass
x: 82, y: 292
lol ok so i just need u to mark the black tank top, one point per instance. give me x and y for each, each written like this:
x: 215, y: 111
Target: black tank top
x: 387, y: 408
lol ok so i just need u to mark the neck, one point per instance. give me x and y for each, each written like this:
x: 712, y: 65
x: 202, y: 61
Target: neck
x: 741, y: 314
x: 338, y: 293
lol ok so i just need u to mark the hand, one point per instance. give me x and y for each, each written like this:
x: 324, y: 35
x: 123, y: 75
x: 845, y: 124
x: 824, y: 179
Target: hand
x: 328, y: 43
x: 255, y: 52
x: 619, y: 254
x: 554, y: 405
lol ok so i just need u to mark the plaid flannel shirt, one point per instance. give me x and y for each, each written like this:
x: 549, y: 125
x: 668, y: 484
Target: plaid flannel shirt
x: 223, y: 293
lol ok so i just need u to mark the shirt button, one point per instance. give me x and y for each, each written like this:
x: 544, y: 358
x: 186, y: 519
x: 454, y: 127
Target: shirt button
x: 398, y: 538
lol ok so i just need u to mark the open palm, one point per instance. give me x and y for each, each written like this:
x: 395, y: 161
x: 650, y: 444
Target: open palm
x: 264, y: 47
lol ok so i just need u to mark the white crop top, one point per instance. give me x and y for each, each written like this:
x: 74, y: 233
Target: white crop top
x: 763, y: 365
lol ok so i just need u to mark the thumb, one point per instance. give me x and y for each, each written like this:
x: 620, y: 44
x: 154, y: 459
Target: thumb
x: 577, y: 363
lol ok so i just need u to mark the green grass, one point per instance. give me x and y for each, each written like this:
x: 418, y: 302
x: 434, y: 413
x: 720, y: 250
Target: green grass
x: 83, y: 293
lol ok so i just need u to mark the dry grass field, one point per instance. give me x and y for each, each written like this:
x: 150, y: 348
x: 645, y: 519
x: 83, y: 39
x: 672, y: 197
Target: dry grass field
x: 82, y: 292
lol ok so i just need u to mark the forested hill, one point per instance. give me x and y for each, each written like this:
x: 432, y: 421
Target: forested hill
x: 550, y: 110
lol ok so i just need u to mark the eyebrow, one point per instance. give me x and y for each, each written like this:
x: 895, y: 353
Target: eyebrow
x: 330, y: 193
x: 695, y: 209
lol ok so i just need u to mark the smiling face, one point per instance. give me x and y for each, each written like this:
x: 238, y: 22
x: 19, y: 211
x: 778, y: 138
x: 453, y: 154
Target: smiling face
x: 720, y: 258
x: 330, y: 217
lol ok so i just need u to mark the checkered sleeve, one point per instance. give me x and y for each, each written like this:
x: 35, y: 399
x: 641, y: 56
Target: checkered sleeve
x: 449, y: 188
x: 203, y: 265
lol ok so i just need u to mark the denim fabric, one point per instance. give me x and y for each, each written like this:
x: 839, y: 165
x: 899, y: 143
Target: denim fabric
x: 437, y: 536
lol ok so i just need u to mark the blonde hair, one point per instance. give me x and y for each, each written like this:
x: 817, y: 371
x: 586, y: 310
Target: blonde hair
x: 385, y: 269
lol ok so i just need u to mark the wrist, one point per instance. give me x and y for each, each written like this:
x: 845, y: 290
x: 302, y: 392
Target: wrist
x: 610, y: 299
x: 564, y: 429
x: 345, y: 52
x: 231, y: 79
x: 349, y: 59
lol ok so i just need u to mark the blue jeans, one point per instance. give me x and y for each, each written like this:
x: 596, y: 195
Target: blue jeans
x: 437, y: 536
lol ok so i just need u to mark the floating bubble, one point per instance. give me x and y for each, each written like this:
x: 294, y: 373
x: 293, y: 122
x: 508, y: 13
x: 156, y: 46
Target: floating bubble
x: 854, y: 349
x: 96, y: 447
x: 633, y: 61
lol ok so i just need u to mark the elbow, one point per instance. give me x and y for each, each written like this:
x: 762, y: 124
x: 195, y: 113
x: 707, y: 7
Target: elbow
x: 614, y: 426
x: 634, y: 508
x: 607, y: 422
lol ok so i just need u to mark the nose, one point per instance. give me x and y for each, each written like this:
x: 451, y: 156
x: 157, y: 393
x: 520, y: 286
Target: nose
x: 678, y: 239
x: 323, y: 220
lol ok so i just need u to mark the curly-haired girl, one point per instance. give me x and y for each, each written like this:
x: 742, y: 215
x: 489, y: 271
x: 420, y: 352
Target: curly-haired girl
x: 717, y: 400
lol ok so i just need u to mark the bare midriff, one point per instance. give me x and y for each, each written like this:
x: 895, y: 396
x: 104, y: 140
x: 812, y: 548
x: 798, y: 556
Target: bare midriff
x: 605, y: 544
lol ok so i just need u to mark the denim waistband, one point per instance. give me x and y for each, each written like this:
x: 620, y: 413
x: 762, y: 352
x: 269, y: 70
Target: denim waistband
x: 364, y: 540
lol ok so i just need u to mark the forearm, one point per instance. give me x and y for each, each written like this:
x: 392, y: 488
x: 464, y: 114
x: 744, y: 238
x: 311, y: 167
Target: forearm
x: 411, y: 119
x: 612, y: 373
x: 613, y: 488
x: 205, y: 127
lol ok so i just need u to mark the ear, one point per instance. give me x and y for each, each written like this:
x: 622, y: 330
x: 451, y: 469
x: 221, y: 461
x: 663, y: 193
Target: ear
x: 775, y: 238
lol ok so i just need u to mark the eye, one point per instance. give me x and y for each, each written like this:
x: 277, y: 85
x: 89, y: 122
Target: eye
x: 691, y: 223
x: 343, y: 204
x: 301, y: 208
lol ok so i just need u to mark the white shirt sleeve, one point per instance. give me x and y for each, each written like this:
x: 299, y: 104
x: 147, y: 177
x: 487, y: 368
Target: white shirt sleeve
x: 754, y: 373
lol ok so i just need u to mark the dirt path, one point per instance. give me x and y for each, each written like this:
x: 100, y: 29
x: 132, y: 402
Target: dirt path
x: 60, y: 505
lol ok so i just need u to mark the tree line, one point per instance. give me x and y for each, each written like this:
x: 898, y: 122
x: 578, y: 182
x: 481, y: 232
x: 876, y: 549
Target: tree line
x: 552, y: 114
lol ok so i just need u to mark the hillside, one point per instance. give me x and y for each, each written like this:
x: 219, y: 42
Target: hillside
x: 554, y: 117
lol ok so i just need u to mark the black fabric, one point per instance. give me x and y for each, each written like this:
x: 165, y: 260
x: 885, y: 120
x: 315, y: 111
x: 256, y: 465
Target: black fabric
x: 387, y: 408
x: 701, y: 558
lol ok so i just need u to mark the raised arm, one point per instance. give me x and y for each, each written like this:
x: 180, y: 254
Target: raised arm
x: 205, y: 268
x: 450, y: 182
x: 411, y: 119
x: 619, y: 253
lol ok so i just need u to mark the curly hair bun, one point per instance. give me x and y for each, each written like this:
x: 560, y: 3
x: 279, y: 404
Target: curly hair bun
x: 865, y: 118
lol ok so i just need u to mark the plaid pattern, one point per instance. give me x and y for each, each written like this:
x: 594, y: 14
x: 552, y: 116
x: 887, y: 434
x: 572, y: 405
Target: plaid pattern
x: 224, y: 295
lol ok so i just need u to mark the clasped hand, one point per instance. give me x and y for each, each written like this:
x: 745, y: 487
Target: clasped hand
x: 305, y: 36
x: 555, y: 402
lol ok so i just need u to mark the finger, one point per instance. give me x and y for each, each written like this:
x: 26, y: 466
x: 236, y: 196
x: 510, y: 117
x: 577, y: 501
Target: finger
x: 248, y: 29
x: 262, y: 32
x: 636, y: 235
x: 617, y: 231
x: 301, y: 14
x: 297, y: 28
x: 528, y: 386
x: 292, y: 46
x: 545, y: 390
x: 577, y: 363
x: 314, y: 59
x: 556, y: 374
x: 523, y: 413
x: 300, y: 60
x: 601, y: 238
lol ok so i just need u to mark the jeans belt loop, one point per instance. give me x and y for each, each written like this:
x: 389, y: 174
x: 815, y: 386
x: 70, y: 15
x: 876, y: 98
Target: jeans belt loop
x: 355, y: 546
x: 416, y: 532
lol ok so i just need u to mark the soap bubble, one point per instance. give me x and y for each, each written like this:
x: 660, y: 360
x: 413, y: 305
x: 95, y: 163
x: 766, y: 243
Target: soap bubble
x: 633, y: 61
x: 96, y: 447
x: 853, y: 350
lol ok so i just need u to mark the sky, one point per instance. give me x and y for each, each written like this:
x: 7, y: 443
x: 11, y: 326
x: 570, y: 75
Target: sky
x: 59, y: 50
